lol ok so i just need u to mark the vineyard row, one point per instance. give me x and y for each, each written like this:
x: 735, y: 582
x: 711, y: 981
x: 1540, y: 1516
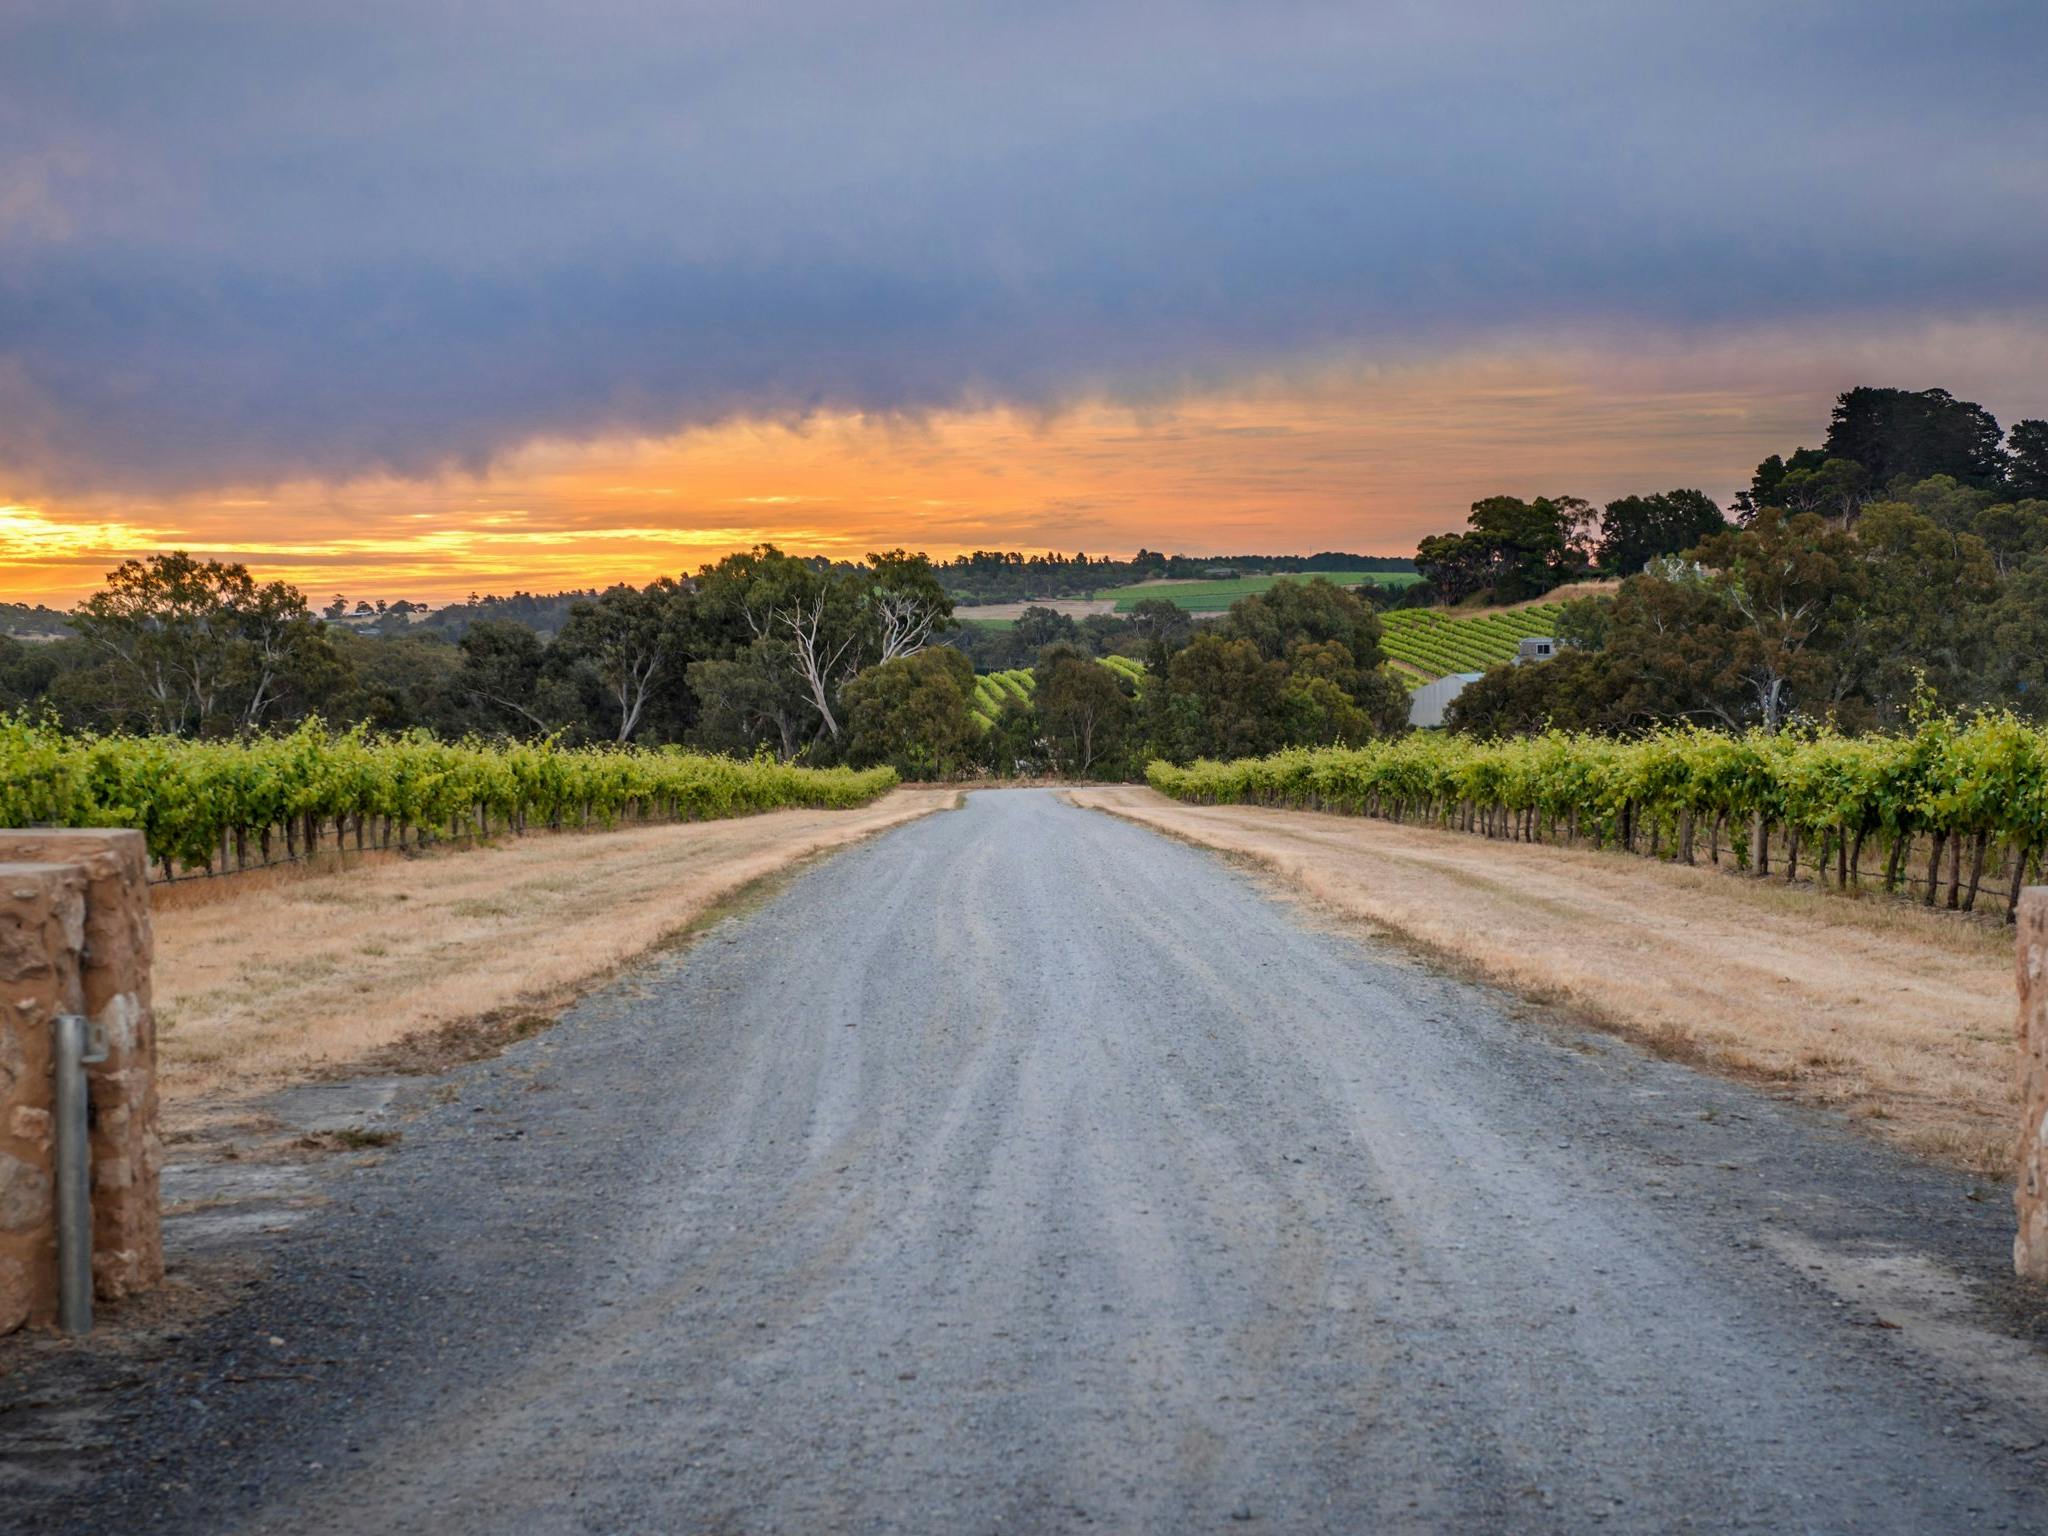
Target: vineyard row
x: 1954, y: 801
x: 211, y: 806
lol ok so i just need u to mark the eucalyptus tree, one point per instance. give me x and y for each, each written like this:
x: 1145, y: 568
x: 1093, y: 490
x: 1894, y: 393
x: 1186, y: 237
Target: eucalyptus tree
x: 500, y: 678
x: 1634, y: 530
x: 824, y: 622
x: 1087, y: 715
x: 629, y: 641
x: 203, y: 643
x: 1791, y: 581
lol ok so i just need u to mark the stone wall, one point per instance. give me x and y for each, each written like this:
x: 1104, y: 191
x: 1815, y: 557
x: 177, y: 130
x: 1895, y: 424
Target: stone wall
x: 42, y: 933
x: 2030, y: 1248
x: 111, y: 987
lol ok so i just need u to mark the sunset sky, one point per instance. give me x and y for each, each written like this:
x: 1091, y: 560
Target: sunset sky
x: 406, y: 298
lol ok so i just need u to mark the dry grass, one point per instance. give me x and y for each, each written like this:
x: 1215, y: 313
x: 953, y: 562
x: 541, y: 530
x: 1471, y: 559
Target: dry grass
x: 284, y: 974
x: 1072, y: 607
x: 1554, y: 595
x: 1901, y: 1017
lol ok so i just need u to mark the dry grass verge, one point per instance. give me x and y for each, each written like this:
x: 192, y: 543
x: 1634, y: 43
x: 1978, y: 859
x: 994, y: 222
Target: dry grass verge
x: 405, y: 961
x: 1899, y: 1016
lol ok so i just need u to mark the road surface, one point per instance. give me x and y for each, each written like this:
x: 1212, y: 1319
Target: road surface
x: 1023, y: 1170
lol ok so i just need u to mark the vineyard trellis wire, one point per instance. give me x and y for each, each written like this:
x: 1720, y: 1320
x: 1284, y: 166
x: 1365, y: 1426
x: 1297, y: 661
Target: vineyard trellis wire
x: 1972, y: 794
x: 215, y: 806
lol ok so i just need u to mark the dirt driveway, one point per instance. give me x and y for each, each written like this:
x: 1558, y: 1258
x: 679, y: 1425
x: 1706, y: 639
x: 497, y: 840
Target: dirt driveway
x: 1025, y: 1170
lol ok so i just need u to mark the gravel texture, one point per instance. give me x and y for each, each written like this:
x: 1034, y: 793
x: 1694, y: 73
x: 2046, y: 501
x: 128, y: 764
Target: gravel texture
x: 1023, y: 1170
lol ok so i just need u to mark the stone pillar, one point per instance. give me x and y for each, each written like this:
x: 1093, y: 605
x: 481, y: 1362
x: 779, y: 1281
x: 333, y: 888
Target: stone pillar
x: 127, y: 1238
x: 2030, y: 1248
x: 42, y: 933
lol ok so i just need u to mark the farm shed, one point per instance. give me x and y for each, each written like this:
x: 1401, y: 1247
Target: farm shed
x: 1426, y: 704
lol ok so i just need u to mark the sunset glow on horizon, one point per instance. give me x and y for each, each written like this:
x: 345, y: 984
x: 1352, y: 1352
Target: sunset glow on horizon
x: 1344, y: 457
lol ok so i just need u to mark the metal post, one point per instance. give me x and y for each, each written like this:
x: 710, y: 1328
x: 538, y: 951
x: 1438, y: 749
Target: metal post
x: 74, y: 1178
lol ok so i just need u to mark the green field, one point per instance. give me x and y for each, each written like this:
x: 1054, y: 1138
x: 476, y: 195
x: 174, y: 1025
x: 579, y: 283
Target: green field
x: 1215, y: 596
x: 1207, y: 597
x: 1436, y: 643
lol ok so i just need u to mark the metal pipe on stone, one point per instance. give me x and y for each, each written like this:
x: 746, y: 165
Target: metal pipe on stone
x: 73, y: 1117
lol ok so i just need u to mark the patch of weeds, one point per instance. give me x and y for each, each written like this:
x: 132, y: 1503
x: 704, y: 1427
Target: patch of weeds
x: 349, y: 1138
x: 337, y: 896
x: 462, y: 1041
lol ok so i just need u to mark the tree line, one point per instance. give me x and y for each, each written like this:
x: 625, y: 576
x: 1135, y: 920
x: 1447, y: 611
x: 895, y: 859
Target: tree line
x: 807, y: 660
x: 754, y: 649
x: 1879, y: 444
x: 1903, y: 563
x: 810, y: 660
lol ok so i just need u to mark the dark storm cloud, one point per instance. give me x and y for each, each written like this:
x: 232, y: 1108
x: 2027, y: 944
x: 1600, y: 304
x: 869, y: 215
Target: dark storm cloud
x: 242, y: 241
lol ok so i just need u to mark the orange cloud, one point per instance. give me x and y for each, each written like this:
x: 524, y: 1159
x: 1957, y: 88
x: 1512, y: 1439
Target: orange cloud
x: 1338, y: 456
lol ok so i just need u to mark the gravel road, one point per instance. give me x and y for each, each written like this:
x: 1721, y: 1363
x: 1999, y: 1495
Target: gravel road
x: 1024, y: 1170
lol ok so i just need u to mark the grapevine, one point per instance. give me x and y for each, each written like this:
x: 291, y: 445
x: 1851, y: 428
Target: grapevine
x: 1974, y: 793
x: 212, y: 805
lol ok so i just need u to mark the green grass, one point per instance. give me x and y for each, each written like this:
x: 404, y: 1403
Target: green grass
x: 1209, y: 596
x: 1215, y: 596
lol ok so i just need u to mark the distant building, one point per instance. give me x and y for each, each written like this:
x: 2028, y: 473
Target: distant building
x: 1426, y: 704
